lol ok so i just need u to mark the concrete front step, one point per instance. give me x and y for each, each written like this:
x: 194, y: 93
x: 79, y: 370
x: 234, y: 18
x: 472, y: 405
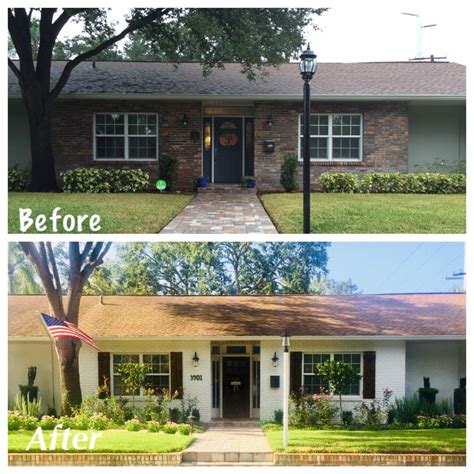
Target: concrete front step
x: 229, y: 457
x: 226, y: 188
x: 226, y: 423
x: 227, y: 464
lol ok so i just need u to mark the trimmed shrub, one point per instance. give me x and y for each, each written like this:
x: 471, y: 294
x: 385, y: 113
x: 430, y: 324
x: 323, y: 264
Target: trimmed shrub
x: 48, y: 422
x: 170, y: 428
x: 17, y: 178
x: 278, y: 416
x: 80, y: 422
x: 133, y: 425
x: 168, y: 170
x: 339, y: 182
x: 29, y: 423
x: 288, y: 172
x: 184, y: 429
x: 154, y: 426
x: 99, y: 180
x: 14, y: 421
x: 403, y: 183
x: 98, y: 422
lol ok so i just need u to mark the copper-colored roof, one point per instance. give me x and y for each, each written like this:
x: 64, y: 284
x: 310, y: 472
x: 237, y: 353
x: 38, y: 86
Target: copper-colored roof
x: 375, y: 79
x: 213, y: 316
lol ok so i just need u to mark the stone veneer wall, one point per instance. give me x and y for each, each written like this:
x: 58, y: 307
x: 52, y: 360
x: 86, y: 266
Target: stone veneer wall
x: 385, y: 139
x: 73, y: 135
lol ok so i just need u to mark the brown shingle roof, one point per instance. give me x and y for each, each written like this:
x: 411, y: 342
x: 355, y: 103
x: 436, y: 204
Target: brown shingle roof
x: 213, y: 316
x: 382, y: 79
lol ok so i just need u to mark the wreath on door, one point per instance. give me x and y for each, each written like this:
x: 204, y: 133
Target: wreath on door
x: 228, y: 134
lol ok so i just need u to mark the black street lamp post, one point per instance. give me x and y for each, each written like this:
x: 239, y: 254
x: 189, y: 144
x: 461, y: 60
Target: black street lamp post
x: 308, y: 66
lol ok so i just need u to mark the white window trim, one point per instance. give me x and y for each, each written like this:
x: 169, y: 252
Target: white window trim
x: 126, y: 135
x: 331, y: 357
x: 140, y: 361
x: 330, y: 136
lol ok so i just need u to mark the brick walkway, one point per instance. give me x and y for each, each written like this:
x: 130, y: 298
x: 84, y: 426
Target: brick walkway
x: 213, y: 212
x: 230, y: 444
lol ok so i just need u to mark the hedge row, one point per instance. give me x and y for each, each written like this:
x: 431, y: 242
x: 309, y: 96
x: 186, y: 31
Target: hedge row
x: 99, y: 180
x: 404, y: 183
x: 17, y: 178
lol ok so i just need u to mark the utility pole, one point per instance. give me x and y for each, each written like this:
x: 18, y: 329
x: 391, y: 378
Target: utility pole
x: 458, y: 276
x: 419, y: 30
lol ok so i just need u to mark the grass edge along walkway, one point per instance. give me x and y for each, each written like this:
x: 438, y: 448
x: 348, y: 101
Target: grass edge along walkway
x: 333, y: 213
x: 110, y: 441
x: 121, y: 213
x: 417, y: 441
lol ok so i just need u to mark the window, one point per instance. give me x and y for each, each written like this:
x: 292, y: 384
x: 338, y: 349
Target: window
x: 334, y: 137
x: 157, y: 379
x: 354, y: 360
x: 312, y: 383
x: 126, y: 136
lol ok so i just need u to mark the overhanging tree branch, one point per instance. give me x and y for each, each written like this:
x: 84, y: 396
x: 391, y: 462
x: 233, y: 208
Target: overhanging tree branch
x: 133, y: 26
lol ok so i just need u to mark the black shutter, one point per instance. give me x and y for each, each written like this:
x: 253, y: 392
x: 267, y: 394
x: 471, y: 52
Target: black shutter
x: 369, y: 375
x: 103, y: 359
x: 296, y: 374
x: 176, y: 366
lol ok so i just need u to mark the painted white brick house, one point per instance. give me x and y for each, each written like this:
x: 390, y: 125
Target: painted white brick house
x: 393, y: 340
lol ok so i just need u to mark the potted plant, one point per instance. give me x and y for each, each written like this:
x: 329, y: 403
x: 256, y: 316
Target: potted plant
x: 427, y: 393
x: 202, y: 182
x: 248, y: 182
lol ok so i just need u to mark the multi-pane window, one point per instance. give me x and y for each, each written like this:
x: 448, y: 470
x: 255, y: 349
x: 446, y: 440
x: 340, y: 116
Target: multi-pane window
x: 334, y: 137
x: 312, y: 383
x: 157, y: 378
x: 354, y: 361
x: 126, y: 136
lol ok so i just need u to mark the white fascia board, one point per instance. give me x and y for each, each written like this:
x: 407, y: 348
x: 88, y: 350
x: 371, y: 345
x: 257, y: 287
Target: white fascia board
x: 254, y: 338
x: 293, y: 98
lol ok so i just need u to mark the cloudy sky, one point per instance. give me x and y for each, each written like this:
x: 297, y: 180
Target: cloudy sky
x: 366, y: 30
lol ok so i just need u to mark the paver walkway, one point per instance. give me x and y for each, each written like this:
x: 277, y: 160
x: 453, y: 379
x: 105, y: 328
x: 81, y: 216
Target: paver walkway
x: 213, y: 212
x: 229, y: 444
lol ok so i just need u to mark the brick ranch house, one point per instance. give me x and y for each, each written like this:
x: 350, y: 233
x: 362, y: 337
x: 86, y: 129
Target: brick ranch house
x: 392, y: 340
x: 393, y: 116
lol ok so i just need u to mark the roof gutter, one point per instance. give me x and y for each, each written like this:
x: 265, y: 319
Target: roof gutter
x: 253, y: 338
x: 258, y: 97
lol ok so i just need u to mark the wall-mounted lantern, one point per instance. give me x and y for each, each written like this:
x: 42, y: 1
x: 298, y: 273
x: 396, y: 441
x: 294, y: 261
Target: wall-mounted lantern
x: 270, y: 121
x: 195, y: 360
x: 275, y: 359
x: 185, y: 120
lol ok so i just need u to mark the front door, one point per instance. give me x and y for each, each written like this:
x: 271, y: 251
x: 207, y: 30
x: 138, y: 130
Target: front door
x: 236, y: 387
x: 228, y: 150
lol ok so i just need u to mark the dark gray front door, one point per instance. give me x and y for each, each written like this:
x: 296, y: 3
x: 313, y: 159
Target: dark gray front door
x: 228, y: 149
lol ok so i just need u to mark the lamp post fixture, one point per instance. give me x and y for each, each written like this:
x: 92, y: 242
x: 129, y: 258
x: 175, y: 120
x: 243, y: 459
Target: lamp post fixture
x: 285, y: 342
x: 308, y: 66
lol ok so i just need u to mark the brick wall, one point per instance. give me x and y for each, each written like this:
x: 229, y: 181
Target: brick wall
x: 390, y: 368
x: 73, y: 135
x: 385, y: 139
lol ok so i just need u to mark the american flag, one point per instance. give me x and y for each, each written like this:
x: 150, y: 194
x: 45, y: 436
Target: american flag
x: 62, y: 329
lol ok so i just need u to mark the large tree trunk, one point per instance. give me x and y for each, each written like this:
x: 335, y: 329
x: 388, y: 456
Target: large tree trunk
x: 68, y: 357
x: 43, y: 171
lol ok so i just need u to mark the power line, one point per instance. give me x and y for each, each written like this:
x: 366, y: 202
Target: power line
x: 400, y: 265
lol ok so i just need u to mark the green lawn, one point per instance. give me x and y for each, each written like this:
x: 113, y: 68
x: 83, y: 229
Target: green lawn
x: 120, y: 213
x: 383, y: 441
x: 111, y: 441
x: 369, y: 213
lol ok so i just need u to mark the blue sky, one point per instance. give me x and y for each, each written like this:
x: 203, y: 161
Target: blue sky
x: 388, y: 267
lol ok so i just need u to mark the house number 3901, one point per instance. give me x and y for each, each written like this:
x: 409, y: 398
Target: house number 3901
x: 196, y: 377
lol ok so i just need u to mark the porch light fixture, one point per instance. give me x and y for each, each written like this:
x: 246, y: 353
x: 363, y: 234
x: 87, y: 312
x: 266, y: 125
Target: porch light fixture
x: 195, y: 360
x: 270, y: 121
x: 275, y: 359
x: 308, y: 66
x: 185, y: 120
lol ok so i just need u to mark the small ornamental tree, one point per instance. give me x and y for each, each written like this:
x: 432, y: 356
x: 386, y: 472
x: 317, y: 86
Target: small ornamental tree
x: 339, y: 375
x: 133, y: 378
